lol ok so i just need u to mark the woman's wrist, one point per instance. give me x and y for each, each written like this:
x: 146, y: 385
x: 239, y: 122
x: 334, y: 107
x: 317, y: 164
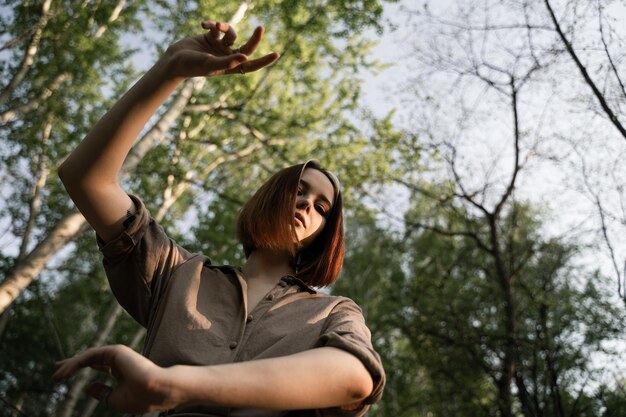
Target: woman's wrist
x: 179, y: 382
x: 165, y: 68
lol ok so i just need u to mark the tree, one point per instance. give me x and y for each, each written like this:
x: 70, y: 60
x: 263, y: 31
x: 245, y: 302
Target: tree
x: 436, y: 304
x: 570, y: 107
x: 481, y: 71
x: 41, y: 126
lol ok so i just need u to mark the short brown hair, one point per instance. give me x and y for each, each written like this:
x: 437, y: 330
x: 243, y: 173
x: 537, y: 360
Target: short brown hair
x: 261, y: 225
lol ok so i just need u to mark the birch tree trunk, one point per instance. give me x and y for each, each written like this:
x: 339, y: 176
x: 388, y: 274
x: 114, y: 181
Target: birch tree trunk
x: 35, y: 200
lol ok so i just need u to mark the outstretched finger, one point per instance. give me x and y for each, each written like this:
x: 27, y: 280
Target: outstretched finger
x: 216, y: 29
x: 249, y: 47
x: 224, y: 64
x: 213, y: 37
x: 229, y: 33
x: 63, y: 369
x: 212, y: 27
x: 255, y: 64
x: 67, y: 368
x: 96, y: 358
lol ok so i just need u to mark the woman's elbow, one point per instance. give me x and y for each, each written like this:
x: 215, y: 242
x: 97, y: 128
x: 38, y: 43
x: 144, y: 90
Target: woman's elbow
x: 358, y: 391
x: 362, y: 385
x: 74, y: 179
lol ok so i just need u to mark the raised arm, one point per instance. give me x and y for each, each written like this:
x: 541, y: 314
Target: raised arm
x: 90, y: 172
x: 317, y: 378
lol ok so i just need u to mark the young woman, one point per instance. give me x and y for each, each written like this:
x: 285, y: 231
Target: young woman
x: 222, y: 340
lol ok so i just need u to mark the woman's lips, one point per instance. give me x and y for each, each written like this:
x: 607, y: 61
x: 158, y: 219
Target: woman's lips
x: 300, y: 220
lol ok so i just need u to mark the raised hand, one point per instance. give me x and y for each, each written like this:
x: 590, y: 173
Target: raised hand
x: 141, y: 385
x: 212, y: 54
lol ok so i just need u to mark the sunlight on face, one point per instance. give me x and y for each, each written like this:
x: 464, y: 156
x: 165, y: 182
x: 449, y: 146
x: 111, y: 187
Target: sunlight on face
x: 313, y: 205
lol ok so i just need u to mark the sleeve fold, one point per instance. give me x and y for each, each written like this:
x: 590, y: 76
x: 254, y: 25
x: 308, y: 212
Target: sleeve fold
x: 346, y: 329
x: 139, y: 261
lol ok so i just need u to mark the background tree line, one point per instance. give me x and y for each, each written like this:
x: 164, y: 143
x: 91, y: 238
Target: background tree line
x: 483, y: 283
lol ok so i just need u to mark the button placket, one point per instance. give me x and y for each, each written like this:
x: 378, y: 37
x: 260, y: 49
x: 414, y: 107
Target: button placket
x: 235, y: 343
x: 253, y: 319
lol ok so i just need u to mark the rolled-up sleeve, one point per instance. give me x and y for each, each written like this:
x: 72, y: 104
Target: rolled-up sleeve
x: 345, y: 329
x: 138, y: 260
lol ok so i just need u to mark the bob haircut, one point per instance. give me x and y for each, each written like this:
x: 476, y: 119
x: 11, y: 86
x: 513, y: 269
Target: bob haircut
x: 261, y: 225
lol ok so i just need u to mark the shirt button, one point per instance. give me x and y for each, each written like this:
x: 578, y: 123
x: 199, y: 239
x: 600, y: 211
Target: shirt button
x: 232, y: 345
x: 249, y: 318
x: 270, y: 297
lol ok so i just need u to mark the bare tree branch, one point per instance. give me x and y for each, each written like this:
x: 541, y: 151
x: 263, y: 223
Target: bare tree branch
x: 516, y: 141
x: 608, y: 54
x: 469, y: 197
x: 603, y: 223
x: 603, y: 103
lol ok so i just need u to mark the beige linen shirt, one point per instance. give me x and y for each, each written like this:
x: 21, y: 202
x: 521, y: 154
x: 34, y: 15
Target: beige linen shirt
x: 196, y: 313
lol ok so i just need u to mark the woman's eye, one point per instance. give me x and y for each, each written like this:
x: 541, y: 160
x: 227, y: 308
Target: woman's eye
x: 321, y: 210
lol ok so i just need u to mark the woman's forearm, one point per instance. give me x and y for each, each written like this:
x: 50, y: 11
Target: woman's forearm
x: 99, y: 157
x: 317, y: 378
x: 90, y: 172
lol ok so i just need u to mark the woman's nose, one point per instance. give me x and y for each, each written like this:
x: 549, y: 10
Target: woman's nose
x: 303, y: 203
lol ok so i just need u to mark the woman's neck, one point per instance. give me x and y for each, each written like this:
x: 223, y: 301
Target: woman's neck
x: 268, y: 265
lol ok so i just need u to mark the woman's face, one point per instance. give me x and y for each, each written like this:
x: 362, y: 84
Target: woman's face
x: 313, y: 205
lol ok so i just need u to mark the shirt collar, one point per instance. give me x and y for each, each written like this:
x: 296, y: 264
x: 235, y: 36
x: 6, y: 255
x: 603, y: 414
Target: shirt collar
x: 290, y: 279
x: 287, y: 279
